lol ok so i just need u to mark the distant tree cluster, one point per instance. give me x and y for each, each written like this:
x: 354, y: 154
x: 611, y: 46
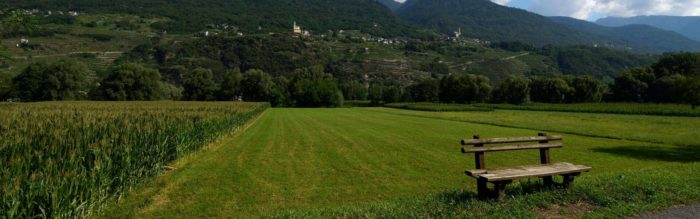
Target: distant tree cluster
x: 468, y: 89
x: 674, y: 78
x: 69, y: 80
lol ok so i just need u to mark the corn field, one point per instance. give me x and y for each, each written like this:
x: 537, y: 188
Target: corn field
x: 65, y: 159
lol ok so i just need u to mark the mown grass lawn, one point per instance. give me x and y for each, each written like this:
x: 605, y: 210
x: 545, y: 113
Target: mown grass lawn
x: 378, y: 162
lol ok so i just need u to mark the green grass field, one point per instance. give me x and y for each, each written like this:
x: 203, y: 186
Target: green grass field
x: 379, y: 162
x: 610, y: 108
x: 437, y: 107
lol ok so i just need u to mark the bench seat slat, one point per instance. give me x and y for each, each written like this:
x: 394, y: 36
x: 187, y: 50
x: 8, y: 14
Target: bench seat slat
x: 510, y: 148
x: 527, y: 171
x: 510, y: 140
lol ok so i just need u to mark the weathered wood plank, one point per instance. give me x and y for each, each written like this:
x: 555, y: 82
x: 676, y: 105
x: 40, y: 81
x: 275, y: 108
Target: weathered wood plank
x: 510, y: 148
x: 510, y: 140
x: 527, y: 171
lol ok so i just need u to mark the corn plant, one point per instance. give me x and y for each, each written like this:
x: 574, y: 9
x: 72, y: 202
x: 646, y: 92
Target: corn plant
x: 64, y: 159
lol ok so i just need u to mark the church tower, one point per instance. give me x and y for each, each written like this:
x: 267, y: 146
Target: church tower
x: 296, y: 28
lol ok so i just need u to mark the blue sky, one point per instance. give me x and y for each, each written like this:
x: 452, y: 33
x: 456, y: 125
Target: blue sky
x: 594, y: 9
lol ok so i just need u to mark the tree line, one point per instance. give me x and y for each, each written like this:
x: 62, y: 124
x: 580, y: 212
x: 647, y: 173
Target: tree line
x: 68, y: 79
x: 674, y: 78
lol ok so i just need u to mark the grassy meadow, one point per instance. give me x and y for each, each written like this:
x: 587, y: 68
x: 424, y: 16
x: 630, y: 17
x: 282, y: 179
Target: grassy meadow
x: 609, y: 108
x: 64, y: 159
x: 381, y: 162
x: 436, y: 107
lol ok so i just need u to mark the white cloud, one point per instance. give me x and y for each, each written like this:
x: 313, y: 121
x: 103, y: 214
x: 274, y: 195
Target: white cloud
x: 587, y: 9
x: 501, y: 2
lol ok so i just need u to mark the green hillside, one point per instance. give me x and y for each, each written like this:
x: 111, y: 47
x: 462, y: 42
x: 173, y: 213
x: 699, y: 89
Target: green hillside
x: 642, y: 37
x: 688, y: 26
x: 486, y: 20
x: 391, y: 4
x: 250, y: 16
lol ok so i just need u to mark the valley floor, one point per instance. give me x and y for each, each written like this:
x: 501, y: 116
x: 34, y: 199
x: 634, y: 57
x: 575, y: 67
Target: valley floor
x: 379, y: 162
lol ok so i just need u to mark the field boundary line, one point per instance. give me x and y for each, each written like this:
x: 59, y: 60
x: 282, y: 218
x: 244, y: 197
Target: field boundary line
x: 215, y: 145
x: 158, y: 187
x: 546, y: 130
x: 588, y: 112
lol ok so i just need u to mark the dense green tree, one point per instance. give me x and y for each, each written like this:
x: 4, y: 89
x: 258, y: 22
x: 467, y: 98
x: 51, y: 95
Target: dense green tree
x: 686, y: 64
x: 199, y: 85
x: 424, y: 91
x: 230, y: 87
x: 281, y: 96
x: 354, y: 90
x: 464, y: 89
x: 391, y: 94
x: 375, y: 94
x: 257, y: 86
x: 312, y: 87
x: 5, y: 85
x: 667, y: 89
x: 632, y: 85
x: 62, y: 80
x: 16, y: 23
x: 131, y: 81
x: 170, y: 91
x: 549, y: 90
x: 586, y: 89
x: 514, y: 90
x: 174, y: 74
x: 692, y: 92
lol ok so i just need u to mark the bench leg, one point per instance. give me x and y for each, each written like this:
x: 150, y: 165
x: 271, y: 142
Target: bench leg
x: 482, y: 189
x: 548, y: 181
x: 500, y: 190
x: 569, y: 182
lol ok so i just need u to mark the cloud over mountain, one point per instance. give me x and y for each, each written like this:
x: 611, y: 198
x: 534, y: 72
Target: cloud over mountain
x: 590, y: 9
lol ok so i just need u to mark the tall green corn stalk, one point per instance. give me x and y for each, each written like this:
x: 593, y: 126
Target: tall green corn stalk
x: 64, y: 159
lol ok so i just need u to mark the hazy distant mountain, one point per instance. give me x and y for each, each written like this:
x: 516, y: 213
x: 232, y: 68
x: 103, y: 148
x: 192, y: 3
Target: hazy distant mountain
x: 484, y: 19
x: 249, y: 15
x: 644, y: 37
x: 391, y: 4
x: 688, y: 26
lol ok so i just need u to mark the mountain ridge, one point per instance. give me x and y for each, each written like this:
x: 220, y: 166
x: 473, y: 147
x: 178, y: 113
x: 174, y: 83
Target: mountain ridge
x: 484, y: 19
x: 686, y: 25
x: 642, y: 36
x: 249, y: 16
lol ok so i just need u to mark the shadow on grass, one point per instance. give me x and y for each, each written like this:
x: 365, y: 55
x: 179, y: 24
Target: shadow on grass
x: 519, y: 188
x: 674, y: 154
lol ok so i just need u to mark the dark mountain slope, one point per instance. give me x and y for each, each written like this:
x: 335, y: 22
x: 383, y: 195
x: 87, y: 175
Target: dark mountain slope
x: 248, y: 15
x: 484, y: 19
x: 688, y: 26
x: 636, y: 36
x: 391, y: 4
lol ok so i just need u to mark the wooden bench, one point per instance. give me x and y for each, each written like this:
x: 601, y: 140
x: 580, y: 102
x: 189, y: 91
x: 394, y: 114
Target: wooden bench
x: 502, y: 177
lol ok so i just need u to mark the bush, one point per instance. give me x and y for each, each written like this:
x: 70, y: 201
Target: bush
x: 425, y: 91
x: 464, y: 89
x: 65, y: 79
x: 549, y: 90
x: 586, y: 89
x: 130, y: 81
x: 311, y: 87
x: 258, y: 86
x: 199, y: 85
x: 692, y: 92
x: 514, y: 90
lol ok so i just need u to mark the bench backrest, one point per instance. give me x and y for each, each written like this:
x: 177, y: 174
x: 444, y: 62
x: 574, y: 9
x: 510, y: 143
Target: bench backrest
x: 541, y: 142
